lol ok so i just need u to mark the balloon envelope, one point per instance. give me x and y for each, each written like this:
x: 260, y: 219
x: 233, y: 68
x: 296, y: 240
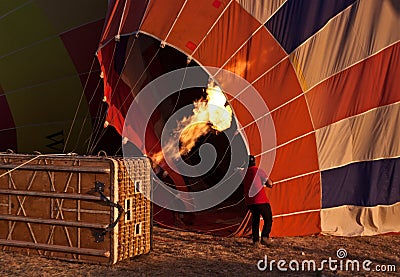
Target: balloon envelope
x: 47, y: 64
x: 327, y: 72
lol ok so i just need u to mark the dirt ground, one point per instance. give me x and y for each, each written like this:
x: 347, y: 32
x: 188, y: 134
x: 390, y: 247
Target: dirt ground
x: 177, y: 253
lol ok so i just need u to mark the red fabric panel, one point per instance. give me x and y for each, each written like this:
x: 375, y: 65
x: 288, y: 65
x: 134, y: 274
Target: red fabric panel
x: 119, y: 98
x: 231, y: 31
x: 133, y: 14
x: 160, y: 17
x: 217, y: 3
x: 116, y: 119
x: 193, y: 23
x: 279, y: 85
x: 123, y: 16
x: 191, y: 45
x: 296, y: 158
x: 104, y: 56
x: 79, y: 42
x: 366, y: 85
x: 8, y: 133
x: 258, y: 55
x: 114, y: 13
x: 300, y: 194
x: 118, y: 103
x: 296, y: 225
x: 292, y: 120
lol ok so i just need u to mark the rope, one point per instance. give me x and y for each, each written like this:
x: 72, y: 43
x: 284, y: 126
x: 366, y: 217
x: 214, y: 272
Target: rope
x: 183, y: 200
x: 97, y: 127
x: 176, y: 104
x: 28, y: 161
x: 212, y: 27
x: 232, y: 205
x: 126, y: 98
x: 90, y: 150
x: 176, y: 19
x: 248, y: 39
x: 102, y: 132
x: 15, y: 9
x: 87, y: 115
x: 79, y: 105
x: 122, y: 17
x: 146, y: 11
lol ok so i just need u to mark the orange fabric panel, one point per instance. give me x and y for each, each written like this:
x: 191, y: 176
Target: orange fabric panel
x: 258, y: 55
x: 362, y: 87
x: 296, y: 158
x: 231, y: 31
x: 279, y: 85
x: 300, y: 194
x: 160, y: 17
x: 292, y: 120
x: 254, y: 139
x: 261, y: 138
x: 296, y: 225
x: 241, y: 112
x: 194, y: 22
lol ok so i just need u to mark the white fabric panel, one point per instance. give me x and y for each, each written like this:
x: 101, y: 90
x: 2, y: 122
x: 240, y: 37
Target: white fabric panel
x: 360, y: 221
x: 369, y: 136
x: 334, y: 145
x: 261, y: 10
x: 355, y: 34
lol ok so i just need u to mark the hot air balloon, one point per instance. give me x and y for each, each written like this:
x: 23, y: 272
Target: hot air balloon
x: 327, y: 72
x: 50, y: 88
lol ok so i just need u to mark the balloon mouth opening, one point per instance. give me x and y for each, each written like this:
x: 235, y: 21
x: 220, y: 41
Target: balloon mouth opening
x: 213, y: 116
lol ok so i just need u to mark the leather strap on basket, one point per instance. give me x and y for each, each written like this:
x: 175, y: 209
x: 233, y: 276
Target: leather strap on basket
x: 100, y: 233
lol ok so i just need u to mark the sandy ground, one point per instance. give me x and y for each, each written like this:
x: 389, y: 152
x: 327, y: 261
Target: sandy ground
x: 178, y: 253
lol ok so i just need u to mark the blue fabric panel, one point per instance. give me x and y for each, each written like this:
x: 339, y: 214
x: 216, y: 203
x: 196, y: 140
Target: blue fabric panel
x: 297, y: 20
x: 362, y: 184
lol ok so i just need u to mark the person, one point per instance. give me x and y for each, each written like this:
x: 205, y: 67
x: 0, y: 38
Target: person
x: 257, y: 201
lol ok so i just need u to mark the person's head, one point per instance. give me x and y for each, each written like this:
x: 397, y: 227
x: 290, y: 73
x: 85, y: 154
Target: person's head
x: 252, y: 160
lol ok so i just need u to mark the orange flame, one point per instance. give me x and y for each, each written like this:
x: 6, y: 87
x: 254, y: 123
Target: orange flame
x: 207, y: 114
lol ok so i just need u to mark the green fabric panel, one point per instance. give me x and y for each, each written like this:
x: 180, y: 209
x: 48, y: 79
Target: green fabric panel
x: 42, y: 86
x: 74, y: 12
x: 46, y: 137
x: 22, y: 28
x: 49, y: 109
x: 53, y: 101
x: 8, y: 6
x: 38, y: 77
x: 41, y: 63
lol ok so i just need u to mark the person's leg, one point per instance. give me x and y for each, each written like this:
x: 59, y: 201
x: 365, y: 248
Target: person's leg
x: 255, y: 222
x: 266, y: 213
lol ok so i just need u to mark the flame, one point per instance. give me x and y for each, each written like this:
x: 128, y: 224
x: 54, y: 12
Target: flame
x: 219, y: 114
x: 211, y: 113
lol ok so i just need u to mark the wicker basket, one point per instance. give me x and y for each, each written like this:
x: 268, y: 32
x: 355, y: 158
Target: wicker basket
x: 90, y: 209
